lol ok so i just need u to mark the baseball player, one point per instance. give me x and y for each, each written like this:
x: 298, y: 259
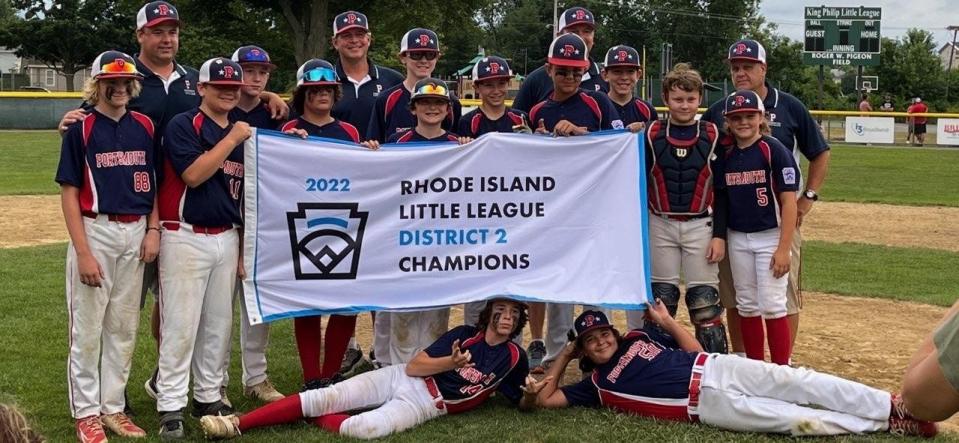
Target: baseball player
x: 622, y: 71
x: 430, y: 104
x: 662, y: 372
x: 918, y: 123
x: 539, y: 84
x: 419, y: 52
x: 200, y: 201
x: 455, y: 374
x: 795, y: 128
x: 491, y: 76
x: 760, y: 180
x: 685, y: 232
x: 112, y: 234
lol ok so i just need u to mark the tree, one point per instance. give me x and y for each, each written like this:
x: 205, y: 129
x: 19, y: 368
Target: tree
x: 910, y: 68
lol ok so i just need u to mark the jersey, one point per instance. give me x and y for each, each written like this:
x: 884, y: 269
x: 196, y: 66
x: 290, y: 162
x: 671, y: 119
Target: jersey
x: 647, y: 375
x: 752, y: 179
x: 918, y: 108
x: 392, y: 114
x: 636, y: 110
x: 111, y: 162
x: 501, y: 368
x: 594, y: 110
x: 215, y: 202
x: 358, y: 99
x: 538, y: 86
x: 335, y: 129
x: 411, y: 135
x: 680, y: 162
x: 258, y: 117
x: 475, y: 123
x: 161, y: 102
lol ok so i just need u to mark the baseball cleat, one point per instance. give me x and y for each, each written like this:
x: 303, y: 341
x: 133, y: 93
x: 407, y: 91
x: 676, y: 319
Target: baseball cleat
x: 897, y: 408
x: 351, y: 358
x: 912, y: 427
x: 536, y: 352
x: 201, y: 409
x: 121, y: 425
x: 89, y: 430
x: 263, y: 391
x: 224, y: 398
x: 218, y: 427
x: 151, y: 385
x: 171, y: 426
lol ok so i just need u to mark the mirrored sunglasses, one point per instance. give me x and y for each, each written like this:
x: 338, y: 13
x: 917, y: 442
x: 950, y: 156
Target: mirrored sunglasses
x: 320, y: 74
x: 118, y: 66
x: 431, y: 89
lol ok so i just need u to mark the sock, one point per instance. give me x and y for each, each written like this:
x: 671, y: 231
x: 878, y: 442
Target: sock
x: 287, y: 410
x: 309, y: 336
x: 353, y: 344
x: 753, y: 337
x: 780, y: 342
x: 331, y: 422
x: 338, y: 332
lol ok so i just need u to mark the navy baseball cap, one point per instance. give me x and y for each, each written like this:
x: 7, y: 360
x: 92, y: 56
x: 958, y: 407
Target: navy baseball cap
x: 750, y: 50
x: 252, y: 55
x: 589, y: 320
x: 575, y: 16
x: 419, y: 39
x: 221, y: 71
x: 744, y: 101
x: 350, y: 20
x: 568, y: 50
x: 114, y: 64
x: 622, y: 55
x: 154, y: 13
x: 430, y: 88
x: 491, y: 67
x: 317, y: 72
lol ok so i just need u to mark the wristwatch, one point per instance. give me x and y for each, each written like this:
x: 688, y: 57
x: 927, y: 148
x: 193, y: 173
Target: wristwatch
x: 810, y: 194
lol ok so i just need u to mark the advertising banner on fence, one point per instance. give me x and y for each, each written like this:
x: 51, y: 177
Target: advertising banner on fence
x: 947, y: 131
x: 870, y: 129
x: 333, y: 227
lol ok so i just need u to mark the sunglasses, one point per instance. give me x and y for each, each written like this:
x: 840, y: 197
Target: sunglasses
x: 432, y: 89
x: 119, y: 66
x: 568, y: 73
x: 420, y: 55
x: 320, y: 74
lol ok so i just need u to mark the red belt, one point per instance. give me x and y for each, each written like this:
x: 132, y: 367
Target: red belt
x: 434, y: 392
x: 119, y: 218
x: 695, y: 382
x: 212, y: 230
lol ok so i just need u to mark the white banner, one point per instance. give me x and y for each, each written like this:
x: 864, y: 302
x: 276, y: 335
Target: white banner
x: 870, y: 129
x: 336, y: 228
x: 947, y: 131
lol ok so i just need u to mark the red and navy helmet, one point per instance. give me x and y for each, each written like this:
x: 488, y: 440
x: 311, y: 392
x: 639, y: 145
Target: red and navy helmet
x: 252, y: 55
x: 221, y: 71
x: 589, y: 320
x: 419, y: 39
x: 317, y: 72
x: 154, y: 13
x: 749, y: 50
x: 744, y: 101
x: 568, y: 50
x: 114, y: 64
x: 430, y: 88
x: 350, y: 20
x: 575, y: 16
x: 491, y: 67
x: 622, y: 55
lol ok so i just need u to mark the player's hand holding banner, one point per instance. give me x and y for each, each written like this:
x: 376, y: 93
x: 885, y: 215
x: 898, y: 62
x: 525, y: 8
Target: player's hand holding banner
x: 332, y: 227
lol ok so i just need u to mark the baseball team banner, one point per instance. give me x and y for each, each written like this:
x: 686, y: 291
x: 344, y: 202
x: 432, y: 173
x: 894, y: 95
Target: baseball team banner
x: 336, y: 228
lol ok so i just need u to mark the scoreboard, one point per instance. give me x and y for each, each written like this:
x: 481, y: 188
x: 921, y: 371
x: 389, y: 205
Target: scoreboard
x: 842, y: 36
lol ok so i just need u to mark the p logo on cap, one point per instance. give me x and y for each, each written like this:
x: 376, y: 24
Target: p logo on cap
x: 221, y: 71
x: 749, y: 50
x: 622, y: 55
x: 491, y: 67
x: 568, y: 50
x: 154, y: 13
x: 419, y: 39
x: 589, y: 320
x: 350, y: 20
x: 575, y: 16
x: 743, y: 101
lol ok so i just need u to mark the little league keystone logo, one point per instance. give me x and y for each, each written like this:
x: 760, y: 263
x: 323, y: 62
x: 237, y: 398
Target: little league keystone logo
x: 326, y: 240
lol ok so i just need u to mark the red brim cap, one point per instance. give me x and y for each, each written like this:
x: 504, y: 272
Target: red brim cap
x: 159, y: 20
x: 567, y: 62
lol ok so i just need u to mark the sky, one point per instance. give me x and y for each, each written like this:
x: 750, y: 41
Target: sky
x: 897, y: 16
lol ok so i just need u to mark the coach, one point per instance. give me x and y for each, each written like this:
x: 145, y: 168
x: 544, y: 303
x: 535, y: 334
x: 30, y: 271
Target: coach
x: 792, y: 125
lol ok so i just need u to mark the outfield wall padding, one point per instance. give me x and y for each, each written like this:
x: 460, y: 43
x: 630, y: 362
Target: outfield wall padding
x: 32, y: 113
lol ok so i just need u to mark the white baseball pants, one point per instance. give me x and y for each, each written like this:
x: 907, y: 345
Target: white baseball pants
x: 253, y: 342
x: 103, y: 321
x: 381, y: 338
x: 757, y: 291
x: 411, y: 332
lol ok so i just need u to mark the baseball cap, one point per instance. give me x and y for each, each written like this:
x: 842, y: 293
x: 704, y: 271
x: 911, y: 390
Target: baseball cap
x: 114, y: 64
x: 747, y: 50
x: 419, y: 39
x: 522, y: 303
x: 622, y: 55
x: 918, y: 100
x: 253, y: 55
x: 317, y: 72
x: 430, y: 88
x: 154, y: 13
x: 221, y: 71
x: 568, y: 50
x: 491, y: 67
x: 350, y: 20
x: 744, y: 101
x: 574, y: 16
x: 589, y: 320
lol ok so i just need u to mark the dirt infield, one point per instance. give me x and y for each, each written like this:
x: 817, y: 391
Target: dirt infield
x: 29, y: 220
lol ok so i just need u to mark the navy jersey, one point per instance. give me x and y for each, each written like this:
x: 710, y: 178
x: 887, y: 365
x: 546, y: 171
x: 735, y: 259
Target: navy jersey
x: 538, y: 86
x: 636, y: 110
x: 502, y: 368
x: 789, y: 120
x: 475, y: 123
x: 392, y: 114
x: 594, y: 110
x: 410, y: 135
x: 358, y: 99
x: 160, y: 102
x: 258, y: 117
x: 648, y: 375
x: 335, y: 129
x: 111, y: 162
x: 215, y: 202
x: 752, y: 179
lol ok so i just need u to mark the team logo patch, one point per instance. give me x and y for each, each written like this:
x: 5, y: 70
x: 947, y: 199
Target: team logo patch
x: 424, y: 40
x: 682, y: 152
x: 163, y: 10
x: 227, y: 72
x: 617, y: 124
x: 590, y: 320
x: 351, y: 18
x: 568, y: 50
x: 622, y: 56
x: 580, y: 14
x: 789, y: 175
x: 741, y: 49
x: 326, y: 240
x: 494, y: 68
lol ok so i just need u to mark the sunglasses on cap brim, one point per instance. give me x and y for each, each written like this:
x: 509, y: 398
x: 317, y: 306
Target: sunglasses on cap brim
x: 420, y: 55
x: 431, y: 89
x: 320, y: 75
x: 119, y: 68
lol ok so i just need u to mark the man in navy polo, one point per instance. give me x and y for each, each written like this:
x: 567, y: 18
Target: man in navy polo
x: 537, y: 85
x: 792, y: 125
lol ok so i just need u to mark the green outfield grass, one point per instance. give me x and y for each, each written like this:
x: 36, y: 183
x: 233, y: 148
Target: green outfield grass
x: 34, y: 344
x: 28, y: 162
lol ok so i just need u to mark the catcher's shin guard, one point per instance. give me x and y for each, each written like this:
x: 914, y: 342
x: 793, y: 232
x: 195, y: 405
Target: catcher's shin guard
x: 707, y: 315
x: 669, y: 294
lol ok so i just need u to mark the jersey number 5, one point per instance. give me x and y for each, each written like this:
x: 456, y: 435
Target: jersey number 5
x: 761, y: 198
x: 141, y: 181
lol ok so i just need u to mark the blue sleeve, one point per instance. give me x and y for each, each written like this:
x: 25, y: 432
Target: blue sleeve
x: 719, y: 167
x: 611, y: 118
x: 463, y: 127
x: 374, y: 130
x: 583, y: 393
x: 443, y: 346
x: 808, y: 136
x: 529, y: 92
x: 394, y: 137
x: 784, y: 170
x: 511, y: 387
x: 70, y: 169
x: 181, y: 144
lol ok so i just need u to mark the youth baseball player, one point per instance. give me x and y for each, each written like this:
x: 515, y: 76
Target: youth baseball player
x: 108, y: 187
x: 430, y: 104
x: 200, y: 201
x: 455, y: 374
x: 491, y: 76
x: 622, y: 71
x: 662, y: 372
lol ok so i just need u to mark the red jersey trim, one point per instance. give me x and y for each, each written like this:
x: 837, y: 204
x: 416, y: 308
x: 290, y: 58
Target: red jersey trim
x: 391, y: 103
x: 145, y: 121
x: 593, y: 106
x: 351, y: 130
x: 289, y: 125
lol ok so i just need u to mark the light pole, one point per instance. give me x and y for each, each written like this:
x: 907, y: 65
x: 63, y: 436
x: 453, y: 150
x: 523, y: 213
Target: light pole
x: 952, y: 49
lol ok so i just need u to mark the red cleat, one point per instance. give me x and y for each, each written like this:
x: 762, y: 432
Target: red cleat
x: 912, y: 427
x: 89, y: 430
